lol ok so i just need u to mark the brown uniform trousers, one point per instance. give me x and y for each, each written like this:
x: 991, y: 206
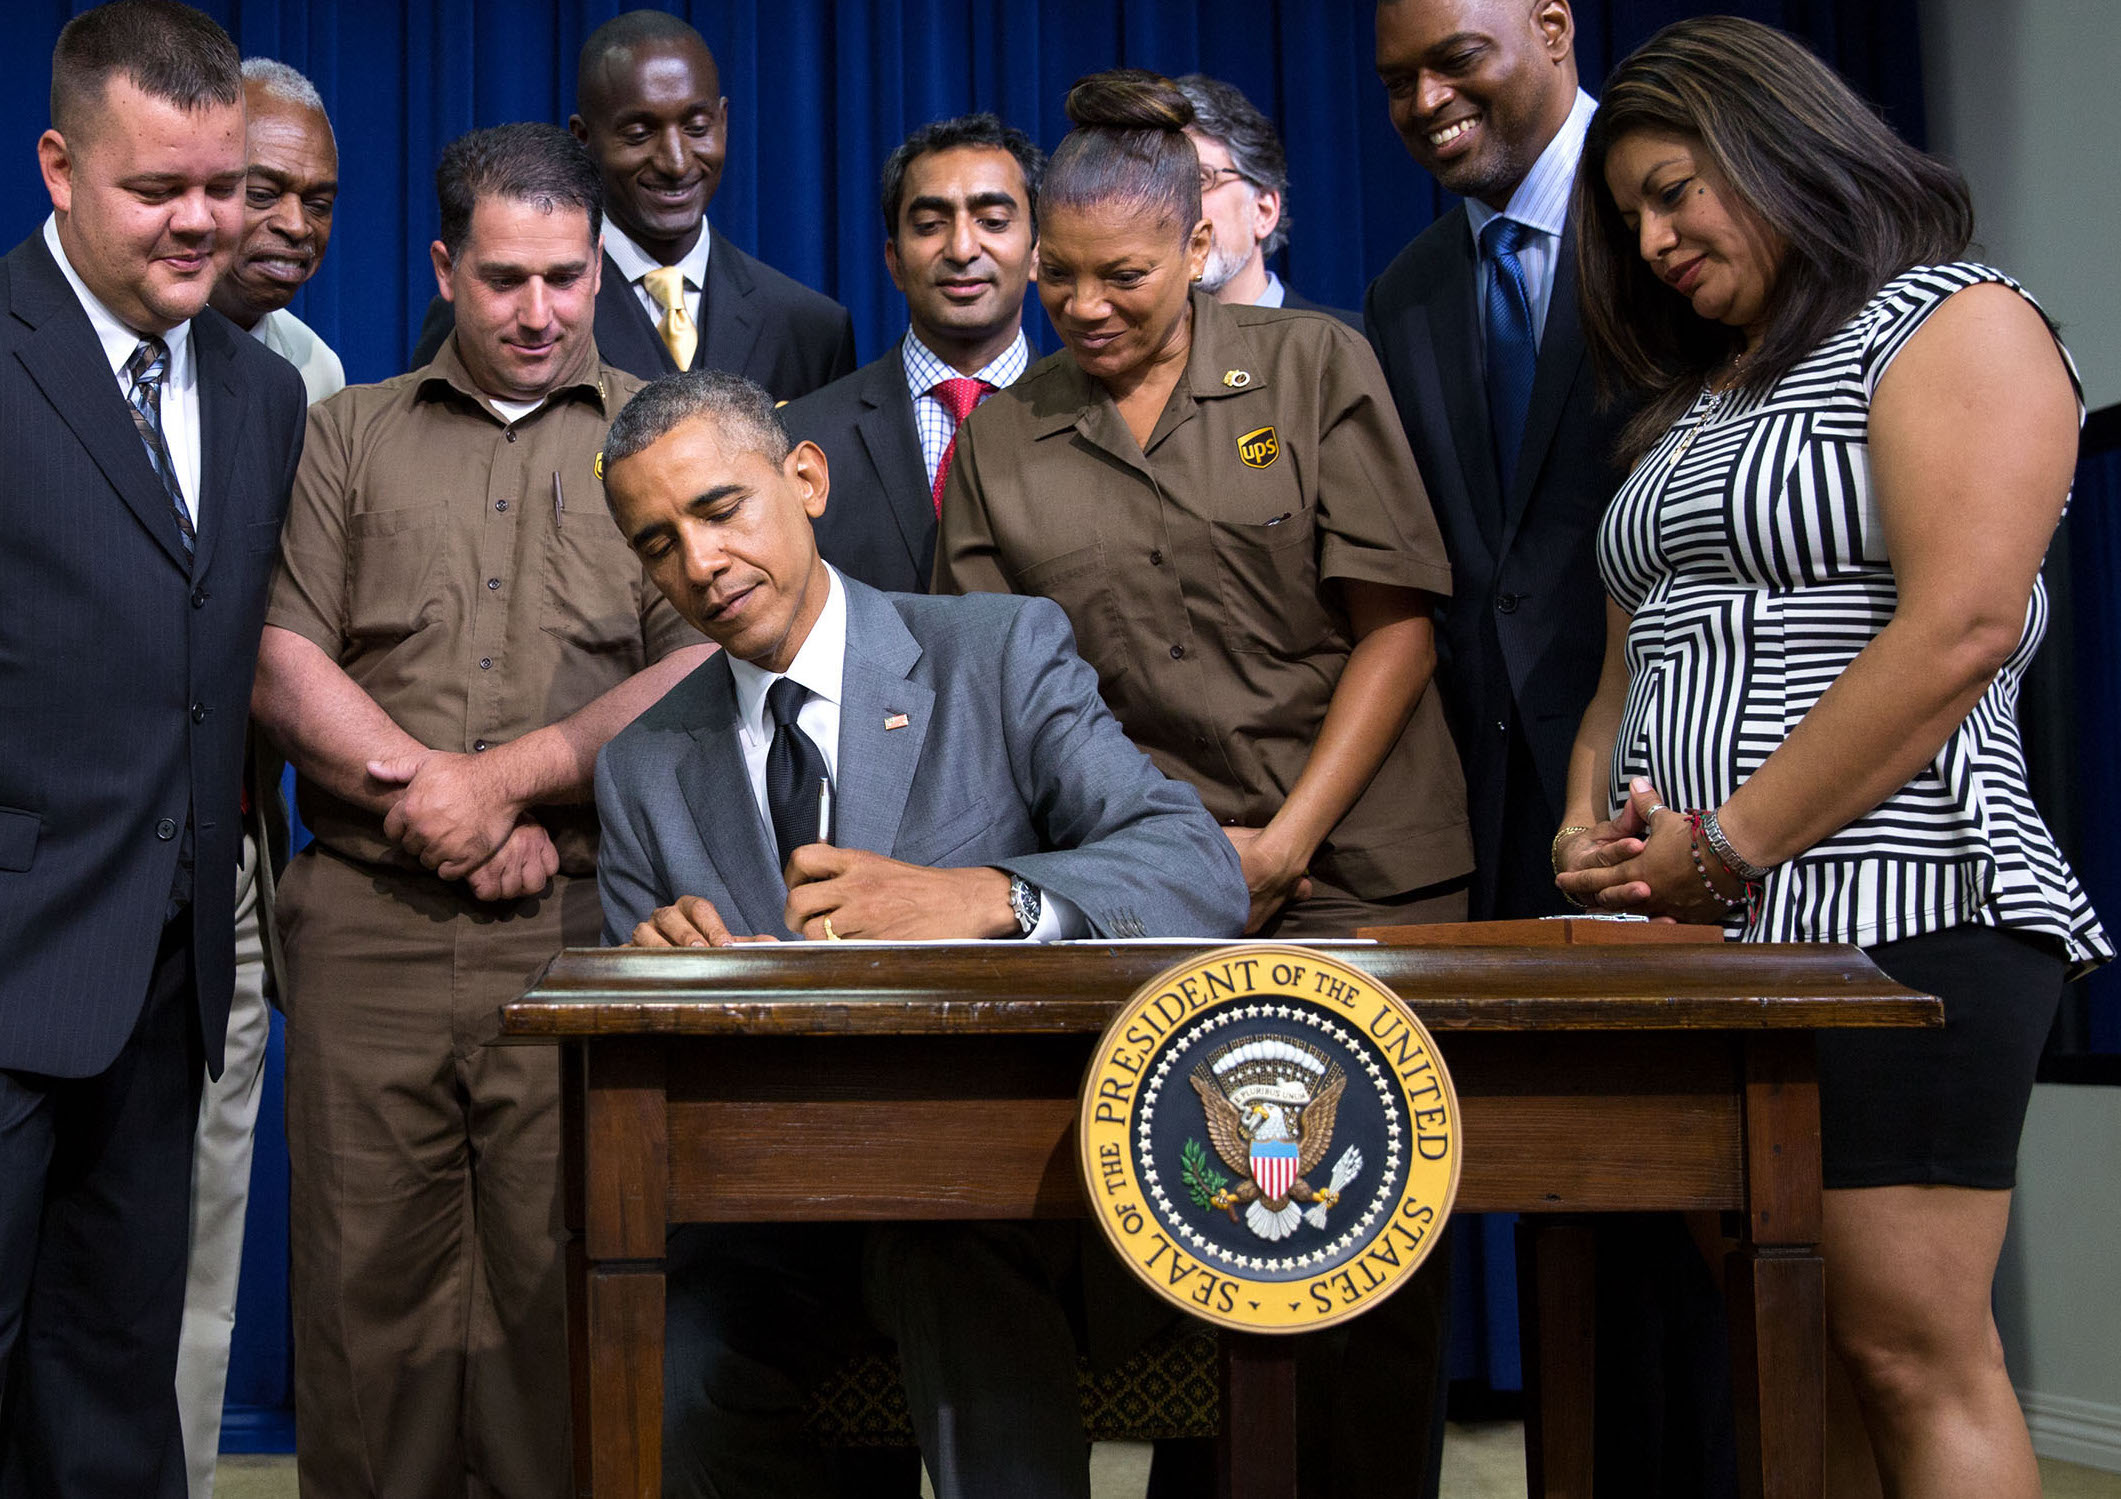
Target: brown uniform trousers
x: 434, y: 1300
x: 463, y: 570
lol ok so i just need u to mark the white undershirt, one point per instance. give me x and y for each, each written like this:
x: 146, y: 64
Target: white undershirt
x: 820, y: 665
x: 512, y: 412
x: 180, y: 380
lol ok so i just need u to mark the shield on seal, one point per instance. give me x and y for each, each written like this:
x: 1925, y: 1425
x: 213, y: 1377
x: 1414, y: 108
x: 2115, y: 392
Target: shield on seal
x: 1274, y: 1167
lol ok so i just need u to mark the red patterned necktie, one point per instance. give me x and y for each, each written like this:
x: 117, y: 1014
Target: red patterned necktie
x: 958, y: 397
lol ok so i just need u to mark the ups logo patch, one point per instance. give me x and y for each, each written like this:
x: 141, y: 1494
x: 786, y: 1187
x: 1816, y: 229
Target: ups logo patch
x: 1259, y: 447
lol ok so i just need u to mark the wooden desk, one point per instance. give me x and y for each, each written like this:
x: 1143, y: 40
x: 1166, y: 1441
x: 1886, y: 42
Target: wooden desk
x: 883, y: 1082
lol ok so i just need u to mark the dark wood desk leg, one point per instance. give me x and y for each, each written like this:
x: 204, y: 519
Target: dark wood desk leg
x: 1255, y: 1448
x: 1557, y: 1305
x: 573, y: 1212
x: 615, y: 1268
x: 1776, y: 1285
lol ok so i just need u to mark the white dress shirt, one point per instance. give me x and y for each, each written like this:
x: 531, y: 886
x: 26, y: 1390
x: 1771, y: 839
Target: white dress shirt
x: 297, y: 343
x: 180, y: 380
x: 1541, y: 203
x: 1276, y: 295
x: 635, y: 262
x: 925, y: 369
x: 819, y: 665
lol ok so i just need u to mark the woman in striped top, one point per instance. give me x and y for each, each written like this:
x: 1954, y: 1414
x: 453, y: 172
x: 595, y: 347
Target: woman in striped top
x: 1824, y: 580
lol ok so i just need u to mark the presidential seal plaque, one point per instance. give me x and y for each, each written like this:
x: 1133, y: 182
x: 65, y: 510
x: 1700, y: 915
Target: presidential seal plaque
x: 1269, y: 1138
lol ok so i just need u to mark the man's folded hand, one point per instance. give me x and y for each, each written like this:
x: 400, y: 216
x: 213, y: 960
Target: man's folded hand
x: 867, y: 895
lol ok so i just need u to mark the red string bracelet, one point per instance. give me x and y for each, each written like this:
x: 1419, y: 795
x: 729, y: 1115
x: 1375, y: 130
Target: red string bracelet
x: 1749, y: 902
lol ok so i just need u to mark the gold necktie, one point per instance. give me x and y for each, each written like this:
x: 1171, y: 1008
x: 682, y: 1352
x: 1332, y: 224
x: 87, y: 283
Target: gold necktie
x: 667, y: 285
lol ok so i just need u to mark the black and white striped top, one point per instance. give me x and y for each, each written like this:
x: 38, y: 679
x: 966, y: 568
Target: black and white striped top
x: 1748, y: 548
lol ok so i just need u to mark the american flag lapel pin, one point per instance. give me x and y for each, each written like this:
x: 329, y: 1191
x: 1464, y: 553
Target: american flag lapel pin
x: 894, y: 721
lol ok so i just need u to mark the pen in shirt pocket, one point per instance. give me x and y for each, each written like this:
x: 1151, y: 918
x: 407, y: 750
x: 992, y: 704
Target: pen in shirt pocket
x: 559, y: 498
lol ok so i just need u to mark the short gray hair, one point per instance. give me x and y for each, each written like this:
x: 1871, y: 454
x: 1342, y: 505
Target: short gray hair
x: 739, y: 408
x: 282, y: 82
x: 288, y: 86
x: 1222, y: 111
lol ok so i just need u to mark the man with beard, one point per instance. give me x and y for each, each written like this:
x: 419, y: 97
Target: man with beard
x: 959, y: 231
x: 649, y: 106
x: 1244, y: 194
x: 1475, y: 323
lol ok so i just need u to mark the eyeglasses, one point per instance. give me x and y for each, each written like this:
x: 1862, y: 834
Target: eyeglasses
x: 1211, y: 177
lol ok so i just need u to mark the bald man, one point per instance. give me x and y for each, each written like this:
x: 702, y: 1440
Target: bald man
x: 675, y: 295
x: 1475, y: 323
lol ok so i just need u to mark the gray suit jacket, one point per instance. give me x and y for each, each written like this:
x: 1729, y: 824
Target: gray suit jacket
x: 1009, y: 758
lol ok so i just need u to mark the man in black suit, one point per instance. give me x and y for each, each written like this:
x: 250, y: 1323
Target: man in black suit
x: 1475, y: 323
x: 649, y: 106
x: 147, y: 446
x: 959, y: 241
x: 1244, y: 195
x: 1484, y: 94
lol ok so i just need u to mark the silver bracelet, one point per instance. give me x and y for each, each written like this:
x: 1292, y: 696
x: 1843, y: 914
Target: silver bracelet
x: 1735, y: 862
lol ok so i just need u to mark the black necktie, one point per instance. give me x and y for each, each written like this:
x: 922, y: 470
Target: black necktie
x: 144, y: 373
x: 794, y: 768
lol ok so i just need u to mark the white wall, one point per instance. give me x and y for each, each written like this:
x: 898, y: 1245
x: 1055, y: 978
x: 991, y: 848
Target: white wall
x: 2058, y: 1289
x: 2025, y: 96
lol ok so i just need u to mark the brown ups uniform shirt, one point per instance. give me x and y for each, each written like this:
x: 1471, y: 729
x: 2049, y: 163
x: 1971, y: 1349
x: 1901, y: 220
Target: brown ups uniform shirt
x: 464, y: 571
x: 1192, y: 573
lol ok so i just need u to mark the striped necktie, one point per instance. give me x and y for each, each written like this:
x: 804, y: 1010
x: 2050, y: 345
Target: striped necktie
x: 144, y: 373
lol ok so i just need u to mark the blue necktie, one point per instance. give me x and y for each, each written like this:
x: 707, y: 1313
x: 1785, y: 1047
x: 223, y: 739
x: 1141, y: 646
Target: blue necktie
x: 143, y: 373
x: 1513, y: 349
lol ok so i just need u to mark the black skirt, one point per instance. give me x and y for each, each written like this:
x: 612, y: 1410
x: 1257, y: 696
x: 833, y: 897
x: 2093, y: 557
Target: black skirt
x: 1942, y: 1108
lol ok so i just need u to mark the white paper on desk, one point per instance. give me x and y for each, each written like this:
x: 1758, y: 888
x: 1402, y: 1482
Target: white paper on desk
x: 1069, y: 942
x: 889, y: 942
x: 1214, y: 942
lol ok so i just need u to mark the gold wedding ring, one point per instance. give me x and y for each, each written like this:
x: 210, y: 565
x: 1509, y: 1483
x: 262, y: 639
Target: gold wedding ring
x: 830, y: 934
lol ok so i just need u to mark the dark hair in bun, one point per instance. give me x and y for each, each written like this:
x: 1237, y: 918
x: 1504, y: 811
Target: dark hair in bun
x: 1128, y: 149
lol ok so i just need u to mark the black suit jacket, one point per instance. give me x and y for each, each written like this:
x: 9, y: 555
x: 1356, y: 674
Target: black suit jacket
x: 125, y: 668
x: 1523, y: 635
x: 1296, y: 301
x: 879, y: 520
x: 756, y: 323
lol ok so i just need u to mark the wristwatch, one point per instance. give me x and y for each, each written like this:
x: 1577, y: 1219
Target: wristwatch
x: 1026, y: 902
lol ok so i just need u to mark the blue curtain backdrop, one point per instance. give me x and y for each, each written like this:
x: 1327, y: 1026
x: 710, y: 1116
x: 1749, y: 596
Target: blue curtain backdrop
x: 819, y: 93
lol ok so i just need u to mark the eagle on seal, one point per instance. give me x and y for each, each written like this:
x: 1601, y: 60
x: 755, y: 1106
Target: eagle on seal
x: 1270, y: 1105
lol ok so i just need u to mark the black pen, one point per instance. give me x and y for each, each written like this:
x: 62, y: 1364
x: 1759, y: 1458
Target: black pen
x: 559, y: 500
